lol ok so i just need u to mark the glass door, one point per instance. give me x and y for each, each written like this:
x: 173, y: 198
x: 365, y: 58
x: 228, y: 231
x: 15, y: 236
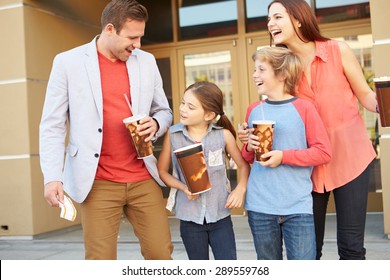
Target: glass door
x: 217, y: 64
x: 166, y: 64
x: 252, y: 45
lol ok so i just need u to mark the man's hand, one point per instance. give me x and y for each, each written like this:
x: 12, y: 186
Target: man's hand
x: 148, y: 126
x: 54, y: 193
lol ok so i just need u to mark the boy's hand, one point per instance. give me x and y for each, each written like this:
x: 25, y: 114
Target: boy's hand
x: 275, y: 158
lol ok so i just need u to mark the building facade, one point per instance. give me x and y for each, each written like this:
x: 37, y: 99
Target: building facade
x: 192, y: 40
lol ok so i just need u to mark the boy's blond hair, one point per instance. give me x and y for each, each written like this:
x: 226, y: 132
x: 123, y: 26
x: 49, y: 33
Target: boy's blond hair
x: 284, y: 63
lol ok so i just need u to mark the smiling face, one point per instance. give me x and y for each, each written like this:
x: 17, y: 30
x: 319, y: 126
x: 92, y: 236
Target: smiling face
x: 120, y: 45
x: 281, y: 25
x: 266, y: 81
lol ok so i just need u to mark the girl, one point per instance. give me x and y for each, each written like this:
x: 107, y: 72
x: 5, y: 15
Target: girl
x: 205, y: 218
x: 278, y: 199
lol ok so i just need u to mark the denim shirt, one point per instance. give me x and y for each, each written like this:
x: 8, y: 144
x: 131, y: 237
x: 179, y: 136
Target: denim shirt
x: 210, y: 206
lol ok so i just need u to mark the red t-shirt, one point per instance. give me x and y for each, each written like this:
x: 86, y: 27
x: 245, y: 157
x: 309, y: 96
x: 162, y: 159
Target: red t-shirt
x: 118, y: 158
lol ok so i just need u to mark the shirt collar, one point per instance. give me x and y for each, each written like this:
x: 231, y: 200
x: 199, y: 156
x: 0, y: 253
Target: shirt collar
x: 181, y: 128
x: 321, y: 51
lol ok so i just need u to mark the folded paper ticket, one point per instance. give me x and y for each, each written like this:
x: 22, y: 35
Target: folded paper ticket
x: 68, y: 211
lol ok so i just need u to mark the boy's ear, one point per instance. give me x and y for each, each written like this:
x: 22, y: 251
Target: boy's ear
x: 282, y: 77
x: 209, y: 116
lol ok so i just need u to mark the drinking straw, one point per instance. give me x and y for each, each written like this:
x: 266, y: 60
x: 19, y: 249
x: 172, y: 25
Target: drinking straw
x: 262, y: 110
x: 128, y: 103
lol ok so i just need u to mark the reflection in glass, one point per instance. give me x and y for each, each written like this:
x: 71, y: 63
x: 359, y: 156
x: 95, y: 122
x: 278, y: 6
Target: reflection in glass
x: 361, y: 45
x: 155, y: 32
x: 335, y: 3
x: 203, y: 18
x: 164, y: 65
x: 341, y: 10
x: 214, y: 67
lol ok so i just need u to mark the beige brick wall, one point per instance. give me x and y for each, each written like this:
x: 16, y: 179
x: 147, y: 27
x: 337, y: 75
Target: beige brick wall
x: 34, y: 36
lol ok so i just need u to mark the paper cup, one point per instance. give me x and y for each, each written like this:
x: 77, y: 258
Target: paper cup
x: 264, y: 129
x: 382, y: 89
x: 193, y: 166
x: 144, y: 149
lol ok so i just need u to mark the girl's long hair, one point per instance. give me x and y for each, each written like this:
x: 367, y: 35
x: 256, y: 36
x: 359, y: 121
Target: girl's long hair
x: 210, y: 97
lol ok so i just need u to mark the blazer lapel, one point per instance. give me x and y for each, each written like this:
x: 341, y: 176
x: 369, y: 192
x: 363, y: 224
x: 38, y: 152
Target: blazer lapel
x: 92, y: 68
x: 134, y: 79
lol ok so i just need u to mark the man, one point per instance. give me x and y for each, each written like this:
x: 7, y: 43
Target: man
x: 101, y: 170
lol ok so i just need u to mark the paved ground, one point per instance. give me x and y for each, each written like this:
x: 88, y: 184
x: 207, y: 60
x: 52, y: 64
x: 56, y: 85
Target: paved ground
x: 67, y: 244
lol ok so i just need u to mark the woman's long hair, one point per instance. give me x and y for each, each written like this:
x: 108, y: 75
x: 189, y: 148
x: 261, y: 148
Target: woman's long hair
x: 301, y: 11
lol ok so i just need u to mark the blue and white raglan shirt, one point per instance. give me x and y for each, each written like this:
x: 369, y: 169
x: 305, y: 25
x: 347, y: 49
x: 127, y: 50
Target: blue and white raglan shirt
x: 300, y: 134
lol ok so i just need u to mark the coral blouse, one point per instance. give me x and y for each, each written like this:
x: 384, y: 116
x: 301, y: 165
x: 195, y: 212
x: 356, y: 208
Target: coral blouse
x: 332, y: 95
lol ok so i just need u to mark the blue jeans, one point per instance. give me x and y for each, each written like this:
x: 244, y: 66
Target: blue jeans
x: 218, y: 235
x: 296, y: 230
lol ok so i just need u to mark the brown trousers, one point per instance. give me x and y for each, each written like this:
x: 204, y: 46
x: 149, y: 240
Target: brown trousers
x: 142, y: 204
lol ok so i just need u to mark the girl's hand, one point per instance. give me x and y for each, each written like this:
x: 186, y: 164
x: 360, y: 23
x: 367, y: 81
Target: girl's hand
x: 253, y: 141
x: 189, y: 195
x: 243, y: 132
x: 275, y: 158
x: 236, y: 197
x: 192, y: 196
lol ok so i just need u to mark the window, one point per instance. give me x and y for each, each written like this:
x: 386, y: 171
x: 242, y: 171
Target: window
x: 341, y: 10
x: 203, y: 18
x: 207, y: 67
x: 159, y: 28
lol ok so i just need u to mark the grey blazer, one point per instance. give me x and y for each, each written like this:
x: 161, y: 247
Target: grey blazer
x: 73, y: 109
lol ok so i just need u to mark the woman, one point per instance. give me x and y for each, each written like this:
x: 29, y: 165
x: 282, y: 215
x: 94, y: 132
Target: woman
x: 332, y: 80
